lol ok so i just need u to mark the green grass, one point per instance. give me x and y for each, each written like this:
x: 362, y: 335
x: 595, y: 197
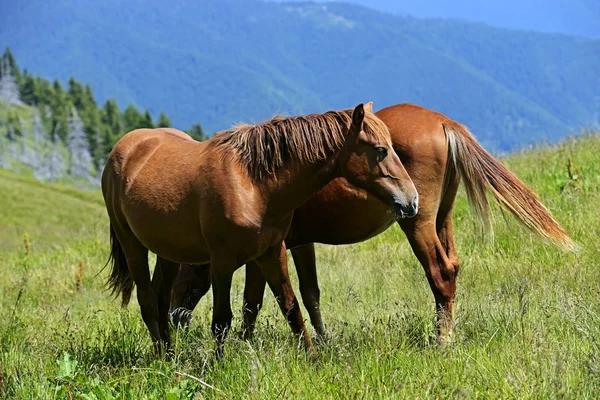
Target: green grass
x: 528, y: 324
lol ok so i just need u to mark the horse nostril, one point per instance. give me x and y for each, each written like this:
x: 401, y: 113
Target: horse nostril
x: 415, y: 202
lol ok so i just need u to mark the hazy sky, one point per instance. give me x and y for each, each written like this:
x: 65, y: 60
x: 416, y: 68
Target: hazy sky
x: 576, y: 17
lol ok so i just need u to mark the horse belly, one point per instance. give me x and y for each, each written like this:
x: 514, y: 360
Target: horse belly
x: 174, y: 236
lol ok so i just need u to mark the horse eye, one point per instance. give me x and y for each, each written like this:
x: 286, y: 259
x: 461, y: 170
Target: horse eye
x: 381, y: 153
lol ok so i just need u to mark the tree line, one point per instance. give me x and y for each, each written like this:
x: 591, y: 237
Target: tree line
x: 67, y: 133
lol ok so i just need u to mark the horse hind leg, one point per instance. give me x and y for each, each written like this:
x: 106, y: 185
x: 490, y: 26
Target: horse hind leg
x: 165, y: 273
x: 191, y: 284
x: 254, y: 291
x: 273, y: 264
x: 444, y: 221
x: 439, y: 270
x: 306, y: 266
x: 137, y: 261
x: 446, y: 238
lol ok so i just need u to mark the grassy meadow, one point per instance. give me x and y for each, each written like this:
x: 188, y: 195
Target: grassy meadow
x: 528, y: 314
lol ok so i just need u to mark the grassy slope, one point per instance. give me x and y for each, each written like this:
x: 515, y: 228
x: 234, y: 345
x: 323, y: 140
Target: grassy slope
x: 528, y: 321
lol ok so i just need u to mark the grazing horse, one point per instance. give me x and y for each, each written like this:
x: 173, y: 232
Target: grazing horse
x: 230, y: 201
x: 437, y: 153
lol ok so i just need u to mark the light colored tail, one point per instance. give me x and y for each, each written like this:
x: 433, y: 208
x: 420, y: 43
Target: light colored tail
x: 478, y: 169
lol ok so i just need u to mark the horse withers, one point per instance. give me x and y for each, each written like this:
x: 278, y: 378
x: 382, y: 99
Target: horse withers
x: 230, y: 200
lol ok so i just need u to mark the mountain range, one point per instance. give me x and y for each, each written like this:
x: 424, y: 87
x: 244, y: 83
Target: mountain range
x: 227, y: 61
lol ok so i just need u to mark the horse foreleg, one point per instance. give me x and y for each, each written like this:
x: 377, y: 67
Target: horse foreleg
x: 273, y: 264
x: 254, y: 291
x: 164, y: 276
x: 306, y: 266
x: 440, y: 271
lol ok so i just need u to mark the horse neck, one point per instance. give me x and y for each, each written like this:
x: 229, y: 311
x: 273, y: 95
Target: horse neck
x: 295, y: 185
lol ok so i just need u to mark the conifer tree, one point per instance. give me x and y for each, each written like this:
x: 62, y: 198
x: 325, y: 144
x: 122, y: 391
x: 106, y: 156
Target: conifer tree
x: 197, y: 133
x: 147, y: 120
x: 59, y: 105
x: 29, y: 91
x: 80, y: 159
x: 163, y: 121
x: 9, y: 89
x: 54, y: 167
x: 111, y: 117
x: 132, y: 119
x: 12, y: 62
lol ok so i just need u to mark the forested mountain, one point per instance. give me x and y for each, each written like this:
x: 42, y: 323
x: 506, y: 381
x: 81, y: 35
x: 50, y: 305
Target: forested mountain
x: 226, y: 61
x: 61, y: 133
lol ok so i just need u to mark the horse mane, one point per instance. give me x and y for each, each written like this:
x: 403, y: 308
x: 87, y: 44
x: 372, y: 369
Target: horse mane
x: 264, y: 148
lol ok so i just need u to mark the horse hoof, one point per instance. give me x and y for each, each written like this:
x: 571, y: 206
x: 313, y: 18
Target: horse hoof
x: 181, y: 317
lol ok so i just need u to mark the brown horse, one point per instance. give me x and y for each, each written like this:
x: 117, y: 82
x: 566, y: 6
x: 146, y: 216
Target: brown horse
x: 437, y: 153
x: 230, y: 200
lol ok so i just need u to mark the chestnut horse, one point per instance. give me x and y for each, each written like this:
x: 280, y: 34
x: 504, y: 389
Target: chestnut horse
x: 230, y: 200
x: 437, y: 153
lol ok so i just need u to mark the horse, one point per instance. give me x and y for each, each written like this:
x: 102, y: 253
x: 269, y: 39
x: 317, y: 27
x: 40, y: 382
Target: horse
x: 437, y: 153
x: 230, y: 201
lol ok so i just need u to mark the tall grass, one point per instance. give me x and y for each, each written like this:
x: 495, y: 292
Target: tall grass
x: 528, y: 319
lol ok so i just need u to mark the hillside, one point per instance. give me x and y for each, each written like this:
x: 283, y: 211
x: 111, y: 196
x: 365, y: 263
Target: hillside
x: 47, y: 213
x: 527, y: 313
x: 221, y: 62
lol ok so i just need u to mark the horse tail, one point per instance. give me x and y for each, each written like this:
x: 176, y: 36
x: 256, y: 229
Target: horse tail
x: 478, y: 169
x: 120, y: 280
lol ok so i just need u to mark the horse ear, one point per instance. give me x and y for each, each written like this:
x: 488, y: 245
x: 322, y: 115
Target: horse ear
x: 369, y: 107
x: 358, y: 115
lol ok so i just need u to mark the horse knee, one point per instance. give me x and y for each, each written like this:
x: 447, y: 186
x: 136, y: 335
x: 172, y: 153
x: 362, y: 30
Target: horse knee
x: 449, y: 271
x: 456, y: 265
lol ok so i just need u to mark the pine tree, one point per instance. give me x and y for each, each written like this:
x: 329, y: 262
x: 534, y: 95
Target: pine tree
x: 111, y: 117
x: 80, y: 159
x: 163, y: 121
x: 59, y: 106
x: 76, y: 94
x: 54, y: 167
x: 147, y: 120
x: 12, y: 62
x: 38, y: 131
x: 132, y: 118
x: 9, y: 89
x: 197, y: 133
x: 26, y: 153
x: 29, y: 91
x: 44, y: 91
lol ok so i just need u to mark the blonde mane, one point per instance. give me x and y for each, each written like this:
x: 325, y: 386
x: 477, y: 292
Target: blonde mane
x: 264, y: 148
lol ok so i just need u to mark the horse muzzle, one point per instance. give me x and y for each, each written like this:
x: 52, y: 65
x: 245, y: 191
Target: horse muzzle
x: 407, y: 210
